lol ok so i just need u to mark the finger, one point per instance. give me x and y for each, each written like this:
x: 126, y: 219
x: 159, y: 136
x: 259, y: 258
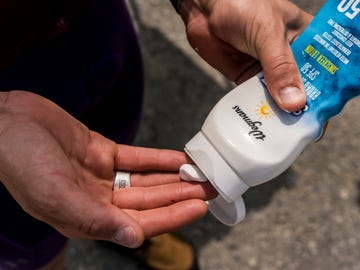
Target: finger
x: 282, y: 75
x: 153, y: 197
x: 169, y: 218
x: 280, y: 69
x: 100, y: 221
x: 153, y: 179
x: 247, y: 71
x: 132, y: 158
x: 232, y: 63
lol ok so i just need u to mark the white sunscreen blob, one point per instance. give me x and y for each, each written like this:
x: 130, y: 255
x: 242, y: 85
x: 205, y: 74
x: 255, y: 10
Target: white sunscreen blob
x: 189, y: 172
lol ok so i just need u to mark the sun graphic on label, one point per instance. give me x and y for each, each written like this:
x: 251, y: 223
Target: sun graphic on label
x: 264, y: 110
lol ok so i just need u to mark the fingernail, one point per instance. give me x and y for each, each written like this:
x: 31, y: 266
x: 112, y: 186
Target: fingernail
x: 291, y: 95
x: 126, y: 236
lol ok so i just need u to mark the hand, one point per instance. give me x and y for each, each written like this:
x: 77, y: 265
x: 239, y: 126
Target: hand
x: 232, y: 35
x: 62, y: 173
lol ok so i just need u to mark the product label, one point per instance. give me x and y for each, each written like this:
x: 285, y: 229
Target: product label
x: 254, y: 126
x: 328, y: 56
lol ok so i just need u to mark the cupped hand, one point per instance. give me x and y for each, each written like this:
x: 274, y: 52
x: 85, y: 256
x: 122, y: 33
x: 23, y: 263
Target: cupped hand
x: 241, y: 37
x: 62, y: 173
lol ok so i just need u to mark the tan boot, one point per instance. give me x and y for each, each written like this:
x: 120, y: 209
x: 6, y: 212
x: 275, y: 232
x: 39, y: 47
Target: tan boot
x: 167, y: 252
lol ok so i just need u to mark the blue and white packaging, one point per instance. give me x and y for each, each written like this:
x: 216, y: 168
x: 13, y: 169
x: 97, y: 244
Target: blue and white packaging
x: 328, y: 57
x: 247, y: 140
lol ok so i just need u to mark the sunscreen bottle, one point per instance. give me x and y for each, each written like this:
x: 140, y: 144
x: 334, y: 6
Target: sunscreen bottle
x: 247, y: 140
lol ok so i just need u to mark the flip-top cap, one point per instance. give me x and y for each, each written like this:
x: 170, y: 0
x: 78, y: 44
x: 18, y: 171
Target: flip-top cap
x: 228, y: 213
x: 229, y: 206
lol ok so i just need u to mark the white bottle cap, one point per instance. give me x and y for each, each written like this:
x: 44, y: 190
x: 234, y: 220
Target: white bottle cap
x: 228, y: 213
x: 229, y: 207
x: 190, y: 172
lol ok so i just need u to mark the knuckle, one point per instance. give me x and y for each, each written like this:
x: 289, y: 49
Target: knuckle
x: 282, y: 64
x: 282, y: 71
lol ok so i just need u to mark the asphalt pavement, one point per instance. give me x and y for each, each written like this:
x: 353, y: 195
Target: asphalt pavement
x: 307, y: 218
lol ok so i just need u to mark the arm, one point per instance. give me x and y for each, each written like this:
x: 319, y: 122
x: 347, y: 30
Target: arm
x: 62, y: 173
x: 241, y: 37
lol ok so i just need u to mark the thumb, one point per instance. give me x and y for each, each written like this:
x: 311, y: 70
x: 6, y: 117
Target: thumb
x: 282, y: 75
x: 116, y: 226
x: 123, y: 229
x: 102, y: 221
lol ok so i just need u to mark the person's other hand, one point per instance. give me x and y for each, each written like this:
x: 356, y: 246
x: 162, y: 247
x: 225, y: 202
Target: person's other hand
x: 235, y: 35
x: 62, y: 173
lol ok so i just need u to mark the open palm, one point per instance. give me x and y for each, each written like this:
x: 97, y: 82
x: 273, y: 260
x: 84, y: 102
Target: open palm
x: 62, y: 173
